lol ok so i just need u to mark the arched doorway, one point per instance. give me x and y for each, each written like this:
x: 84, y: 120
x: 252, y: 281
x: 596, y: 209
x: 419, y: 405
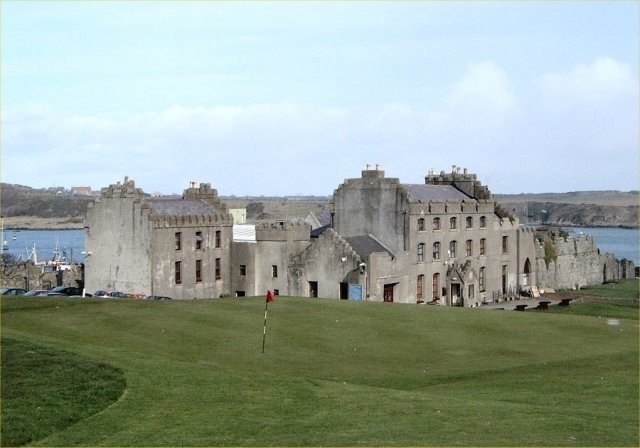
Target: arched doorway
x: 604, y: 274
x: 527, y: 273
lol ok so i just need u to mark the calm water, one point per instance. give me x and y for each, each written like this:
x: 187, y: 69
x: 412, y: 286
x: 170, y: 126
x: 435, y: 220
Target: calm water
x: 624, y: 243
x: 69, y: 241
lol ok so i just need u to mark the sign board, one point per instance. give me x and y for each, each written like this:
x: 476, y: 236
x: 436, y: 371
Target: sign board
x: 355, y: 291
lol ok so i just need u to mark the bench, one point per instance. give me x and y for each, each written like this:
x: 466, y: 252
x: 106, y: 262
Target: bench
x: 520, y: 307
x: 543, y: 305
x: 564, y: 302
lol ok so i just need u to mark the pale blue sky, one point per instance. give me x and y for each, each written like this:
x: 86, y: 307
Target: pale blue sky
x: 294, y: 97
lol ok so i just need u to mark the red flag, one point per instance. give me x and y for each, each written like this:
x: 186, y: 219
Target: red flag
x: 270, y: 297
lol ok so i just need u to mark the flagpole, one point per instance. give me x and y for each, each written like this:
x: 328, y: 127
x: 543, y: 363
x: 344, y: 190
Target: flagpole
x: 264, y: 330
x: 266, y: 307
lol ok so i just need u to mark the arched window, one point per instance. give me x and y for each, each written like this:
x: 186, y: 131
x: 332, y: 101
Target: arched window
x: 436, y: 250
x: 453, y: 223
x: 420, y: 287
x: 420, y: 224
x: 483, y: 246
x: 469, y: 248
x: 469, y: 222
x: 436, y: 223
x: 483, y: 222
x: 436, y: 286
x: 452, y: 249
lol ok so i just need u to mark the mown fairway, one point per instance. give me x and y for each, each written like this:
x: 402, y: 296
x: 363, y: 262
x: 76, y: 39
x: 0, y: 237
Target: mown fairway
x: 342, y: 373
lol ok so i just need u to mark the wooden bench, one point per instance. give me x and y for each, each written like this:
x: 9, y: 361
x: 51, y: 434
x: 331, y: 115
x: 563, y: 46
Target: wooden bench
x: 520, y: 307
x: 564, y: 302
x: 543, y: 305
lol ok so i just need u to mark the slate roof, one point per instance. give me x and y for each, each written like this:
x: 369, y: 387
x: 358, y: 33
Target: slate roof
x: 425, y: 193
x: 315, y: 233
x: 171, y: 207
x: 366, y: 245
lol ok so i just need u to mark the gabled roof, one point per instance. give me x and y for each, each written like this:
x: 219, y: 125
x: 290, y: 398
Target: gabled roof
x: 186, y: 207
x: 425, y: 193
x: 366, y: 245
x: 315, y: 233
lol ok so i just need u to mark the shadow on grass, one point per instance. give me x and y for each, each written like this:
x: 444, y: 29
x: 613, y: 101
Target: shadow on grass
x: 46, y: 390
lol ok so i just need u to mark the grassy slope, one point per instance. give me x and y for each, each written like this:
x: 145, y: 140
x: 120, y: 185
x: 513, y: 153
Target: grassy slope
x: 338, y: 373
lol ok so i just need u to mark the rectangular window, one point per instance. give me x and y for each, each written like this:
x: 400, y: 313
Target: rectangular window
x: 218, y: 270
x: 436, y: 223
x: 452, y: 249
x: 178, y: 273
x: 199, y: 240
x: 505, y: 244
x: 274, y: 271
x: 469, y: 248
x: 471, y: 292
x: 483, y: 243
x: 218, y: 238
x: 198, y: 271
x: 483, y: 222
x: 178, y: 240
x: 481, y: 280
x: 453, y: 223
x: 420, y: 252
x: 243, y: 270
x: 436, y: 251
x: 420, y: 224
x: 469, y: 222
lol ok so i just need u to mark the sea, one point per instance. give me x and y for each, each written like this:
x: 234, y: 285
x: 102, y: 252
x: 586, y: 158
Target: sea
x: 624, y: 243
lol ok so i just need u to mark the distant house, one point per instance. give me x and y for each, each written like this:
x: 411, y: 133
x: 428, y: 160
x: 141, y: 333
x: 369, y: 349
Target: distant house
x: 85, y: 191
x: 239, y: 215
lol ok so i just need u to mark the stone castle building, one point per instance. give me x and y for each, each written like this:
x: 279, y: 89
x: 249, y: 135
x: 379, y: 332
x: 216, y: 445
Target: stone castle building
x: 445, y: 241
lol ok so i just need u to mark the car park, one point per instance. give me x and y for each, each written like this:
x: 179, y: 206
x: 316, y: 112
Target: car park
x: 68, y: 290
x: 43, y: 292
x: 158, y: 298
x: 12, y: 291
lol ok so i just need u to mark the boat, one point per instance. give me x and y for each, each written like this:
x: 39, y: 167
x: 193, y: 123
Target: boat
x: 58, y: 261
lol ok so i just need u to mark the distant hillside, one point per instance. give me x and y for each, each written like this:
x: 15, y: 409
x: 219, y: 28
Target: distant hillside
x: 25, y: 207
x: 51, y: 203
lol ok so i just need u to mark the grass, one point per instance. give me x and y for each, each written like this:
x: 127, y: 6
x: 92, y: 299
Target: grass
x: 620, y: 290
x: 45, y: 390
x: 341, y: 373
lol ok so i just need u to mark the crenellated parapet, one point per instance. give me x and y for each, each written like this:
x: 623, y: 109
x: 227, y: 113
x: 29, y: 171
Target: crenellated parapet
x: 204, y: 192
x: 214, y: 220
x: 126, y: 189
x: 283, y: 231
x: 463, y: 181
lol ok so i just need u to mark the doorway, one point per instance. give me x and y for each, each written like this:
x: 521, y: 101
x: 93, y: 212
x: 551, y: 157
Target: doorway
x: 313, y: 289
x: 456, y: 298
x: 388, y: 293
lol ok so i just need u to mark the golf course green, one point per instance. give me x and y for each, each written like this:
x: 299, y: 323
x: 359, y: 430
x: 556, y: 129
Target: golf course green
x: 334, y: 373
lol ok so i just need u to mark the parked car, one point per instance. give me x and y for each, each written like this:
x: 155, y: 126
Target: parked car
x: 12, y: 291
x: 109, y: 294
x: 117, y: 294
x: 43, y: 292
x: 69, y: 291
x: 158, y: 298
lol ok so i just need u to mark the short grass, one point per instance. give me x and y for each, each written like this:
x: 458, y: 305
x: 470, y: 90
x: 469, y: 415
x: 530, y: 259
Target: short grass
x: 341, y: 373
x: 45, y: 390
x: 624, y: 289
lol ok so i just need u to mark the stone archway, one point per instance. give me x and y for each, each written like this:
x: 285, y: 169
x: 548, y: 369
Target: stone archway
x: 526, y: 278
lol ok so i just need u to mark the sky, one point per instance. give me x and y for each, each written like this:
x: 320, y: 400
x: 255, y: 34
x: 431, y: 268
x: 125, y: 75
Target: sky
x: 292, y: 98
